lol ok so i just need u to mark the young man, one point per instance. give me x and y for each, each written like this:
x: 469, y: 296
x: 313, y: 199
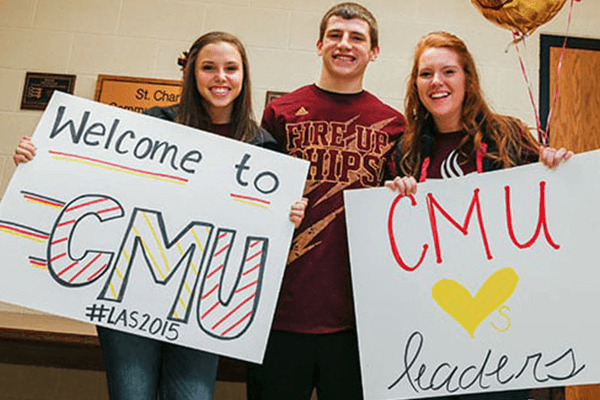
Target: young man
x: 348, y: 136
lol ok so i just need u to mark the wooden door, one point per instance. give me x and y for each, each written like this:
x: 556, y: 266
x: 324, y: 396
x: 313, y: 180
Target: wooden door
x: 587, y: 392
x: 575, y: 122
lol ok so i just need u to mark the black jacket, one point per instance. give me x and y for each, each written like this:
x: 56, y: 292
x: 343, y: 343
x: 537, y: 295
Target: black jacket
x: 264, y: 139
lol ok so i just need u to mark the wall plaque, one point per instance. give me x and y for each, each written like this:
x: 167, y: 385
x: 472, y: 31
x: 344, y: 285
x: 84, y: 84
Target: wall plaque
x: 39, y: 88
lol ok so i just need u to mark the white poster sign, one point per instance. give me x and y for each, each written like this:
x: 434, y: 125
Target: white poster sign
x: 478, y: 284
x: 149, y: 227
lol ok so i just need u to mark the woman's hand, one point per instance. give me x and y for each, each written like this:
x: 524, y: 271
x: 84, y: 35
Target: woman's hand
x: 24, y: 152
x: 551, y: 157
x: 404, y: 186
x: 297, y: 211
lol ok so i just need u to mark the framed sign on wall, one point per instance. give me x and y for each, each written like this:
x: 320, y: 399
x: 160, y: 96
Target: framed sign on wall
x: 136, y: 94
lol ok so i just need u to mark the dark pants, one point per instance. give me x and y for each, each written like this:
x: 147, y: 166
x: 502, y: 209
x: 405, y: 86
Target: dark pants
x: 295, y: 363
x: 510, y: 395
x: 138, y: 368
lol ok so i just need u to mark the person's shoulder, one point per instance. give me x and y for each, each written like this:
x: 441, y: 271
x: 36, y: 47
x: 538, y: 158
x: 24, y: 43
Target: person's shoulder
x: 293, y: 96
x: 376, y: 101
x: 378, y: 107
x: 287, y: 105
x: 168, y: 113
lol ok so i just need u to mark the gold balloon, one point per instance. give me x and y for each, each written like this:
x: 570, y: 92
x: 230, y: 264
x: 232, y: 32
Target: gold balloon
x: 522, y: 16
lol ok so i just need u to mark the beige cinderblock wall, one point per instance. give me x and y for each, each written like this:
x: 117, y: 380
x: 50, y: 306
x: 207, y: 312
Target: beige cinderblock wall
x: 144, y: 37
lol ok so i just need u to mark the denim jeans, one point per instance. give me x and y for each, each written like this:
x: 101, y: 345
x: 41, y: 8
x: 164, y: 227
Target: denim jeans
x: 138, y: 368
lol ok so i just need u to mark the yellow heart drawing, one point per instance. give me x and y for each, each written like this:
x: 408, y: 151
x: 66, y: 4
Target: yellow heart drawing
x: 470, y: 311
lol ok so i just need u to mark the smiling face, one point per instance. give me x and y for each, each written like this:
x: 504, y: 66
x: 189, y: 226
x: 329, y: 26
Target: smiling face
x: 219, y: 79
x: 346, y: 51
x: 441, y: 86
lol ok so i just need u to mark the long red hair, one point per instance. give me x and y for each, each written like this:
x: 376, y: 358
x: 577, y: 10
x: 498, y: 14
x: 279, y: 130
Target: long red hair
x: 511, y: 136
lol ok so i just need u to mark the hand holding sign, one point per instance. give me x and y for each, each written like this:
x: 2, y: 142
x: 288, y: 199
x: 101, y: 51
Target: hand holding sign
x: 24, y: 152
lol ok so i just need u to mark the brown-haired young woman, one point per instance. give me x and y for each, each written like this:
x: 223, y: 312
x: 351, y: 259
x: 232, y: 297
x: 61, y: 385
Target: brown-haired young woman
x: 216, y: 98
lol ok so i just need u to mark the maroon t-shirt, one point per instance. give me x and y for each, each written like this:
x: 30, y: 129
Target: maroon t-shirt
x: 348, y: 138
x: 446, y: 161
x: 223, y: 130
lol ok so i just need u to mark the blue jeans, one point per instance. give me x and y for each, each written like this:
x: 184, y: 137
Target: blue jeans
x: 138, y: 368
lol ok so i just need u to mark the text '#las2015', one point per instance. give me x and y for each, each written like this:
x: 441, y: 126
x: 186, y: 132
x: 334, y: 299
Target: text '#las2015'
x: 132, y: 320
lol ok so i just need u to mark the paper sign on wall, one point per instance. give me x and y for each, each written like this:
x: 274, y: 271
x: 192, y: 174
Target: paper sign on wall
x: 146, y: 226
x: 478, y: 284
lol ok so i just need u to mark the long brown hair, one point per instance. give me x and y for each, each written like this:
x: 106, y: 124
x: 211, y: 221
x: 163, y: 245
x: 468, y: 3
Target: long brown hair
x: 192, y: 111
x: 511, y: 137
